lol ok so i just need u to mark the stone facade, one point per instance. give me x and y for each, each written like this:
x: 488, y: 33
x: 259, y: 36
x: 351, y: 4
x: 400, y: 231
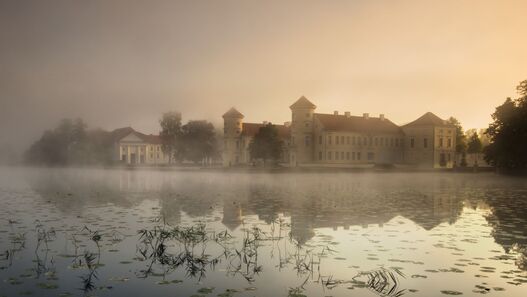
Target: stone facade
x: 343, y: 140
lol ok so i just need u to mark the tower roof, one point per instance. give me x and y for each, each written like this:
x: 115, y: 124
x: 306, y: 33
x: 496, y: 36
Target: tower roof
x: 302, y: 102
x: 428, y: 119
x: 233, y: 113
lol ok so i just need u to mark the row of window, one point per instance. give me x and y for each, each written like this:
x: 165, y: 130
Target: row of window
x: 358, y: 140
x: 425, y: 142
x: 142, y: 148
x: 124, y: 157
x: 345, y: 156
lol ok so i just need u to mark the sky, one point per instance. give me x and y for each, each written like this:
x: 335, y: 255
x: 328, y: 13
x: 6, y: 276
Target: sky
x: 123, y: 63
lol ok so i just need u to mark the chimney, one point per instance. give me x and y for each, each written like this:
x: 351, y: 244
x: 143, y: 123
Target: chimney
x: 381, y: 116
x: 336, y: 112
x: 366, y: 115
x: 347, y: 114
x: 264, y: 122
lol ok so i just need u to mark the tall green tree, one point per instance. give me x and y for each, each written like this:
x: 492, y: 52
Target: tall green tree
x: 508, y: 134
x: 266, y: 144
x: 199, y: 141
x: 170, y: 135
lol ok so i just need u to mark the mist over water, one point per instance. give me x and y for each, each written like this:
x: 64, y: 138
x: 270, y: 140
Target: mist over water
x: 84, y: 232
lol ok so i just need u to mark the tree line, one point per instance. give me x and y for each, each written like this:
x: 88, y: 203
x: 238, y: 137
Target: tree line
x: 194, y: 141
x: 72, y: 143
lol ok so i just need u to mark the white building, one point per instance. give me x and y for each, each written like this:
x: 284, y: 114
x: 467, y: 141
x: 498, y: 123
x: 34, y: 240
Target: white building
x: 132, y: 147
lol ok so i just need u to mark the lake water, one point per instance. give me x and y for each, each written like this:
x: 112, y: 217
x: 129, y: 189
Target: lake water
x: 95, y: 232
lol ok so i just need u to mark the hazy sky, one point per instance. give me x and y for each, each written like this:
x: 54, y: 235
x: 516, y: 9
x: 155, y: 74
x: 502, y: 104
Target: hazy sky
x: 119, y: 63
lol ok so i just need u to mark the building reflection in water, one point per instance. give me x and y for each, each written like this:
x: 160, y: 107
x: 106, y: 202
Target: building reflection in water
x: 311, y: 201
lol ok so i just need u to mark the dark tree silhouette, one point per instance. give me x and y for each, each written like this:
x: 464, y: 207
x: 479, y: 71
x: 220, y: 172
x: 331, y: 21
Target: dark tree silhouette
x: 461, y: 141
x: 70, y: 143
x: 170, y: 133
x: 475, y: 147
x: 508, y: 134
x: 266, y: 145
x: 199, y: 141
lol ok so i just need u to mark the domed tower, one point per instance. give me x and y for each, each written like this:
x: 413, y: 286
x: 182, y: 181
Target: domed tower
x: 232, y: 129
x: 302, y: 142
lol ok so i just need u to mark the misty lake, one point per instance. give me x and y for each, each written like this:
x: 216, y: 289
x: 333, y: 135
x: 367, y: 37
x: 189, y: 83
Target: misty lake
x: 117, y: 232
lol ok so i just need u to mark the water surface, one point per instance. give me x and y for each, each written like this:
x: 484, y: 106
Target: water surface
x: 113, y: 232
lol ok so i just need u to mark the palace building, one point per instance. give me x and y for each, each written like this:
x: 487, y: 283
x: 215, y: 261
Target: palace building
x: 344, y: 140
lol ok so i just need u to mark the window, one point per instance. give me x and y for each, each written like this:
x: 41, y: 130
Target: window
x: 307, y: 140
x: 353, y: 155
x: 151, y: 156
x: 449, y: 142
x: 341, y: 139
x: 329, y: 139
x: 320, y: 139
x: 347, y: 155
x: 306, y: 124
x: 293, y: 140
x: 329, y: 155
x: 364, y: 141
x: 391, y: 142
x: 347, y: 140
x: 307, y: 115
x: 158, y: 155
x: 336, y: 139
x: 320, y: 155
x: 342, y: 155
x: 358, y: 155
x: 376, y: 141
x: 412, y: 142
x: 370, y: 156
x: 371, y: 141
x: 382, y: 141
x: 396, y: 141
x: 425, y: 142
x: 449, y: 158
x: 353, y: 140
x: 440, y: 141
x: 336, y: 155
x: 237, y: 144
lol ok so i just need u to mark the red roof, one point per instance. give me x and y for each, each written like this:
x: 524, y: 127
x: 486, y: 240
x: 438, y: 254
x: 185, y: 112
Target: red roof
x: 428, y: 119
x: 250, y: 129
x: 357, y: 124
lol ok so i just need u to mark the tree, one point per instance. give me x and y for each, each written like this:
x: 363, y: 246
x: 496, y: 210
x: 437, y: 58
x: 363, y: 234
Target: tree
x: 266, y: 145
x: 170, y: 133
x: 67, y: 144
x: 199, y: 141
x: 461, y: 142
x: 508, y: 134
x: 474, y: 146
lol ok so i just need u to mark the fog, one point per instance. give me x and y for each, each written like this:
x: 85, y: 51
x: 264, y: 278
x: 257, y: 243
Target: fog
x: 123, y: 63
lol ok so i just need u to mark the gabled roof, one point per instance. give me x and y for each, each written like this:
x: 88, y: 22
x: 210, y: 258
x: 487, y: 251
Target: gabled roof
x: 250, y: 129
x: 302, y: 102
x: 233, y: 113
x: 357, y: 124
x: 428, y: 119
x: 120, y: 133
